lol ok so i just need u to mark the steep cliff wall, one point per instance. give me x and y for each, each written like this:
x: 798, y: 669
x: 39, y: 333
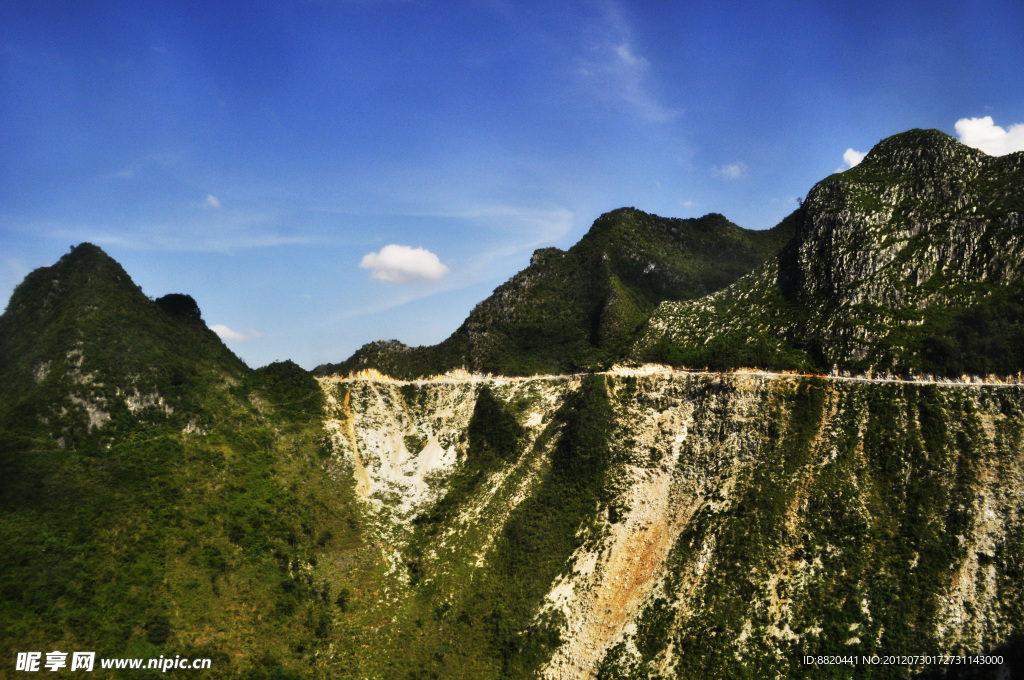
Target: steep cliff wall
x: 732, y: 523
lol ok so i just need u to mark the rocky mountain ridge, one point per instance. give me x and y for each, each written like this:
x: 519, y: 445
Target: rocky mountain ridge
x: 910, y: 262
x: 579, y: 309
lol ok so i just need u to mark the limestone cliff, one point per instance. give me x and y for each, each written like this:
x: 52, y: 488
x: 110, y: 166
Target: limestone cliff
x: 733, y: 522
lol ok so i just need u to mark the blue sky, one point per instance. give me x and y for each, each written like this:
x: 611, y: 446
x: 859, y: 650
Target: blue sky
x: 322, y: 174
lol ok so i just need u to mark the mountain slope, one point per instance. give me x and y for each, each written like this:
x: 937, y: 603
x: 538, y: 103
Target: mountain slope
x: 911, y: 262
x: 580, y: 308
x: 158, y: 497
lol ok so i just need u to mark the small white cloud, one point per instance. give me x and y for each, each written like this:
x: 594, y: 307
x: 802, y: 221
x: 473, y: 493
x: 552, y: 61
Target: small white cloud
x: 852, y: 158
x: 225, y: 333
x: 733, y: 171
x: 984, y: 134
x: 686, y: 204
x: 211, y: 201
x: 404, y: 264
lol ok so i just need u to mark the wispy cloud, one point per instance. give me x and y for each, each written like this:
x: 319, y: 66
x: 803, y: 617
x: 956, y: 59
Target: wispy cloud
x: 162, y: 161
x: 228, y: 334
x: 535, y: 226
x: 185, y: 243
x: 731, y: 171
x: 211, y: 201
x: 404, y: 264
x: 984, y: 134
x: 615, y: 66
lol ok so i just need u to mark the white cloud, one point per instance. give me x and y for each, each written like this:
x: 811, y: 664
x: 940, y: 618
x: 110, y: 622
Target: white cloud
x: 211, y: 201
x: 984, y: 134
x: 733, y: 171
x: 852, y: 157
x: 404, y: 264
x: 225, y: 333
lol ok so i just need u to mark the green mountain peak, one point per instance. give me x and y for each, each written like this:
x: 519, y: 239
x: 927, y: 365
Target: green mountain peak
x: 80, y: 337
x: 912, y: 261
x: 580, y: 308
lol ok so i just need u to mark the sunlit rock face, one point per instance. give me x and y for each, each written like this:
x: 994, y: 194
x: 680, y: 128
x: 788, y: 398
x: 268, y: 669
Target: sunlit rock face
x: 737, y: 521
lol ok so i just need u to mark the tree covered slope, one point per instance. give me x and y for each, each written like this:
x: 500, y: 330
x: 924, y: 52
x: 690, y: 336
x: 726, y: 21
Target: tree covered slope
x: 156, y: 495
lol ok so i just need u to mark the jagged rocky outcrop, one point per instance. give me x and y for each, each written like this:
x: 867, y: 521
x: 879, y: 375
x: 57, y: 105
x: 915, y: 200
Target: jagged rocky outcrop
x: 911, y: 262
x: 735, y: 524
x: 580, y: 308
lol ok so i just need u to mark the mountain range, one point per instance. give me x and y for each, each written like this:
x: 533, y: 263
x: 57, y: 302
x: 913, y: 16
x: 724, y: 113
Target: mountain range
x: 580, y: 308
x: 908, y: 263
x: 589, y: 510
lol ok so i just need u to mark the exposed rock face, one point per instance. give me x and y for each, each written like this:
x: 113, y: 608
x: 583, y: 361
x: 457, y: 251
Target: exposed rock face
x: 405, y: 440
x: 746, y: 520
x: 921, y: 214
